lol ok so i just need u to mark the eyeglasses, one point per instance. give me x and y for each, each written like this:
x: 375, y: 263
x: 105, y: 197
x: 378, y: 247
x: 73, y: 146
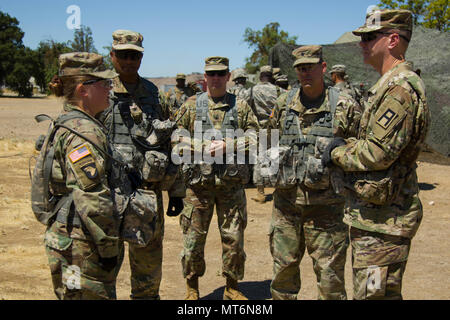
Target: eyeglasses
x: 306, y: 67
x: 221, y: 73
x: 128, y: 54
x: 107, y: 83
x: 367, y: 37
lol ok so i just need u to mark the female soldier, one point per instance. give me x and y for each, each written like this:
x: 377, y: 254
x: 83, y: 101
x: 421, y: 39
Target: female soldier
x: 82, y: 237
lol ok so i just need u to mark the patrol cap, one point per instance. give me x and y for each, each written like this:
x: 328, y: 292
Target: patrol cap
x: 281, y: 78
x: 238, y: 73
x: 377, y: 20
x: 127, y: 40
x: 84, y: 63
x: 216, y: 63
x: 180, y: 76
x: 307, y: 54
x: 266, y: 69
x: 276, y: 71
x: 338, y: 68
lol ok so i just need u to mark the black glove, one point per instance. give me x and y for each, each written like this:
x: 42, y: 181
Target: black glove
x: 326, y: 156
x: 107, y: 264
x: 176, y: 205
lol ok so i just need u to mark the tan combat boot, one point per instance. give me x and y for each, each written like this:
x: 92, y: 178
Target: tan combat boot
x: 260, y: 196
x: 192, y: 289
x: 232, y: 292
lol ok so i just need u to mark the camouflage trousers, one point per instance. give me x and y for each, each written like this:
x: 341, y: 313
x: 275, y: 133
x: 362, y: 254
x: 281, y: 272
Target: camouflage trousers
x: 231, y: 207
x: 378, y: 261
x: 76, y: 271
x: 320, y: 230
x: 146, y: 262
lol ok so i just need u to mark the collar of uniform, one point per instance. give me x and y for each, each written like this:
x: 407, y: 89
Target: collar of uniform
x: 219, y: 105
x: 70, y: 107
x: 119, y: 87
x: 406, y: 65
x: 299, y: 107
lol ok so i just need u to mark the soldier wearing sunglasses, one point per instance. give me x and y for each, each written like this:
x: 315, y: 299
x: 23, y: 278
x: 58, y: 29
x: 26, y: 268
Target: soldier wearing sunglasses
x: 383, y: 208
x: 135, y: 107
x: 219, y: 185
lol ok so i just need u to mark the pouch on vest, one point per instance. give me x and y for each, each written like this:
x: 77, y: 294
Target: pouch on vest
x: 155, y: 166
x: 140, y: 218
x: 317, y: 177
x: 266, y: 169
x: 287, y: 174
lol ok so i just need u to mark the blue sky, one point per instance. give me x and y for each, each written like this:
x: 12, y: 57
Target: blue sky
x: 178, y: 35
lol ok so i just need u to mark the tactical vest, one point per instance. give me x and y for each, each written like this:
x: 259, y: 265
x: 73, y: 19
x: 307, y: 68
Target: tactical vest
x: 204, y: 174
x: 300, y: 159
x: 44, y: 204
x: 129, y: 129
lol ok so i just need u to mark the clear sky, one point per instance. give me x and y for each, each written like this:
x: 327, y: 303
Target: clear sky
x: 178, y: 35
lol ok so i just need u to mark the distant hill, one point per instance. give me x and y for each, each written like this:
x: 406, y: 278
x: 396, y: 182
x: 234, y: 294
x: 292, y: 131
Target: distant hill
x: 347, y: 37
x: 429, y: 50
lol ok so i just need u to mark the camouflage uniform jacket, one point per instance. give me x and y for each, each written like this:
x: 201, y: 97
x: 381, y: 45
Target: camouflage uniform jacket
x: 346, y: 122
x: 262, y: 98
x: 186, y: 116
x: 346, y: 87
x: 177, y: 96
x: 238, y: 90
x: 145, y: 99
x: 80, y: 169
x: 393, y: 129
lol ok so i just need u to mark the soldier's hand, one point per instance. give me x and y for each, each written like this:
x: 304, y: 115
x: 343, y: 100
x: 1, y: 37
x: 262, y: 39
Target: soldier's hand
x: 176, y: 205
x: 108, y: 264
x: 326, y: 156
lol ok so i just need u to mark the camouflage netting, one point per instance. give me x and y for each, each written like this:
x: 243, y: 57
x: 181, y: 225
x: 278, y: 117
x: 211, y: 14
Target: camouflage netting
x: 430, y: 52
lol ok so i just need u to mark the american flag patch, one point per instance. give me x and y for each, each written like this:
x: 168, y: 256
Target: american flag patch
x: 79, y: 153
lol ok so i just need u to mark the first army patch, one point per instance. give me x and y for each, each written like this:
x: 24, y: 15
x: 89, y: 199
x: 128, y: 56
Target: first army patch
x: 84, y: 167
x: 387, y: 118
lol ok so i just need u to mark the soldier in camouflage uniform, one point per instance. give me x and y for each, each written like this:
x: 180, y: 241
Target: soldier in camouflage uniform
x: 181, y: 92
x: 215, y: 184
x: 306, y: 213
x: 282, y: 81
x: 82, y: 238
x: 340, y: 80
x: 383, y: 208
x: 130, y: 120
x: 262, y: 98
x: 239, y: 76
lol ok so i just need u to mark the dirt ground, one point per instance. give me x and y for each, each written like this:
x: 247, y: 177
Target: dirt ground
x: 24, y: 273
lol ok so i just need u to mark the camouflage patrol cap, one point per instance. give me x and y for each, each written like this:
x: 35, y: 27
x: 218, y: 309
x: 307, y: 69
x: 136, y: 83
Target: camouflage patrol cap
x: 307, y: 54
x: 266, y: 69
x: 377, y: 20
x: 281, y: 78
x: 127, y: 40
x: 276, y: 71
x: 238, y: 73
x: 216, y: 63
x: 338, y: 68
x: 181, y: 76
x: 84, y: 63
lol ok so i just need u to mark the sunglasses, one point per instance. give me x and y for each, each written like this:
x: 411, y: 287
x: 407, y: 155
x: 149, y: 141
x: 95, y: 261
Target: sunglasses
x: 306, y: 67
x: 128, y: 54
x: 221, y: 73
x: 107, y: 83
x: 367, y: 37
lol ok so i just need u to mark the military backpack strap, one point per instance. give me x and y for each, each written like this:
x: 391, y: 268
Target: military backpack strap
x: 333, y: 97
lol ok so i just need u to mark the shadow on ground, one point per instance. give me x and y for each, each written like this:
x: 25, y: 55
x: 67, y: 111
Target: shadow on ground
x: 253, y: 290
x: 426, y: 186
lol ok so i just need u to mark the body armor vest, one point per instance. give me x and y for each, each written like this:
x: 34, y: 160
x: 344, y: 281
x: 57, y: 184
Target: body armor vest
x: 301, y: 162
x: 209, y: 174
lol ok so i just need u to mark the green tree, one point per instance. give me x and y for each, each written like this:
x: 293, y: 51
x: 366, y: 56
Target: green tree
x: 429, y: 13
x: 262, y: 41
x: 25, y: 66
x: 10, y: 42
x: 83, y: 40
x: 437, y: 15
x: 48, y: 53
